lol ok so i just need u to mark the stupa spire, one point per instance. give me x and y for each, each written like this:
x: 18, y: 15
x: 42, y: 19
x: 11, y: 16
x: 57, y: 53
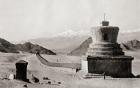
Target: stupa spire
x: 104, y: 22
x: 104, y: 16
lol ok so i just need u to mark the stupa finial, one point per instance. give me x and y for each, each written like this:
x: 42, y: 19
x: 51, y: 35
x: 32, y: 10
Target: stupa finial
x: 104, y: 22
x: 104, y: 16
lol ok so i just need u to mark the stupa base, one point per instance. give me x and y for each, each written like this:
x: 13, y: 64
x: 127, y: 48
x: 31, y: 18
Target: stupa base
x: 114, y: 66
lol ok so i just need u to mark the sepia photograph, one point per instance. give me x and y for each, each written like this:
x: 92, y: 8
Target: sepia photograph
x: 69, y: 44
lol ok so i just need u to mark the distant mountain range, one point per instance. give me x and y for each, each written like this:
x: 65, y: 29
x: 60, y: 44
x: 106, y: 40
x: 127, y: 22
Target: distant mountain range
x: 61, y: 45
x: 71, y: 33
x: 72, y: 43
x: 7, y: 47
x: 131, y: 45
x: 66, y: 42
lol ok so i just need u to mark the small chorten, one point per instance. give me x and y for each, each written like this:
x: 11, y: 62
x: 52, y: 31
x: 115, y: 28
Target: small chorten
x: 21, y: 70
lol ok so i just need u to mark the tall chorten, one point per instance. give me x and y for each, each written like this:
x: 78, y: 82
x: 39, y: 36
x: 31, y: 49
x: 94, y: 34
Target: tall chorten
x: 105, y: 55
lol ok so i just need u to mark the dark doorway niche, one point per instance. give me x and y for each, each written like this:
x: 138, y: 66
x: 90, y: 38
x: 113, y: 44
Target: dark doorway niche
x: 105, y: 37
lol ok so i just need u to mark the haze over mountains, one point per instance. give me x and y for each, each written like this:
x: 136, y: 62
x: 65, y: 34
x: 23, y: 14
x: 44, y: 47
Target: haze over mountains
x: 64, y: 42
x: 71, y: 43
x: 68, y: 41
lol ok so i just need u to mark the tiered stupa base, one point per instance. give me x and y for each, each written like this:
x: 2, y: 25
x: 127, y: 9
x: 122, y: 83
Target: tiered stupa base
x: 108, y: 58
x: 104, y: 49
x: 115, y: 66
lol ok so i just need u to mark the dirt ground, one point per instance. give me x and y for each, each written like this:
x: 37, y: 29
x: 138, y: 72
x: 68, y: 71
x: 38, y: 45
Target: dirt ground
x: 60, y: 77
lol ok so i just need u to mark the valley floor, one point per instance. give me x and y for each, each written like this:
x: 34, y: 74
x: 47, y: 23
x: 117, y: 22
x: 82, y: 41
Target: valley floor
x: 67, y: 77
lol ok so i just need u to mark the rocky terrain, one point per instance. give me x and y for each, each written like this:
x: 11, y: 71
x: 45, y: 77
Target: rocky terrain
x: 131, y: 45
x: 81, y: 50
x: 59, y: 77
x: 33, y: 48
x: 7, y: 47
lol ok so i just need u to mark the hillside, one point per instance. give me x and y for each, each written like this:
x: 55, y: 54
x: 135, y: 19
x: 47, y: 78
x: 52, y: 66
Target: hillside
x: 68, y: 77
x: 32, y: 48
x: 131, y: 45
x: 60, y: 44
x: 7, y: 47
x: 82, y: 49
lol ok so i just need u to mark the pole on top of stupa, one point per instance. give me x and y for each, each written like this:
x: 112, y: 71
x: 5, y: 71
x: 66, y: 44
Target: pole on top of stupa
x: 104, y: 16
x: 104, y: 22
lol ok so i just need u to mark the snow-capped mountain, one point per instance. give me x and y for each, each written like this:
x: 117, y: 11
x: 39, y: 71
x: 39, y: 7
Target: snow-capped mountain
x: 81, y: 33
x: 63, y: 42
x: 72, y: 33
x: 67, y: 41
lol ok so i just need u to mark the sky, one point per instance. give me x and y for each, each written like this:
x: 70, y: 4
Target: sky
x: 29, y: 19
